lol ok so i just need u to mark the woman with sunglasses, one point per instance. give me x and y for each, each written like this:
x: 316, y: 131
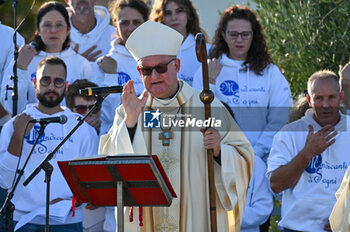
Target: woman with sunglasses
x: 82, y: 104
x: 94, y: 217
x: 182, y: 17
x: 51, y: 39
x: 242, y: 75
x: 127, y: 15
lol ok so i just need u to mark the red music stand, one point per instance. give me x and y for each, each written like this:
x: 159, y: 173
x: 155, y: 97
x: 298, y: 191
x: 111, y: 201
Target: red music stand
x: 123, y: 180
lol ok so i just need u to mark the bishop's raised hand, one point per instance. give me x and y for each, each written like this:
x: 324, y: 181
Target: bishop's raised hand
x: 132, y: 104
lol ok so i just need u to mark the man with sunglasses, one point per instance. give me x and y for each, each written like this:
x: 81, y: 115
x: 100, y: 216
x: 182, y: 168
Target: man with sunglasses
x: 29, y: 201
x: 181, y: 150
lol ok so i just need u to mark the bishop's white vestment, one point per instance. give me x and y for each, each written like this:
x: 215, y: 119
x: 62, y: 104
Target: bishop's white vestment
x: 185, y: 164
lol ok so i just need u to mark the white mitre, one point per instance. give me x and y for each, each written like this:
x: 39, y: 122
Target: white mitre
x: 152, y: 38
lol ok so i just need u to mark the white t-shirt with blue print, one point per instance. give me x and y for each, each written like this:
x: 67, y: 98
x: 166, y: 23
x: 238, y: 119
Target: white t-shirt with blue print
x: 308, y: 205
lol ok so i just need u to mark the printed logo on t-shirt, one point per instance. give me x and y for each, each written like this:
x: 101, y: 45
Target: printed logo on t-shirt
x: 314, y: 165
x: 123, y: 78
x: 31, y: 137
x: 43, y: 145
x: 229, y: 88
x: 325, y: 172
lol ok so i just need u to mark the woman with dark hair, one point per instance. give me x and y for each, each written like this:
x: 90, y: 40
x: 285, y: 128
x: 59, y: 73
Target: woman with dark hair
x: 183, y: 17
x: 40, y: 42
x: 242, y: 75
x: 252, y: 48
x: 51, y: 39
x: 127, y: 15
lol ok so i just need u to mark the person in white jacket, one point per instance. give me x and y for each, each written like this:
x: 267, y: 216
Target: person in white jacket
x: 29, y: 201
x: 182, y: 17
x: 51, y: 38
x: 309, y: 158
x: 241, y: 75
x: 127, y: 16
x: 6, y: 56
x: 91, y: 32
x: 259, y: 202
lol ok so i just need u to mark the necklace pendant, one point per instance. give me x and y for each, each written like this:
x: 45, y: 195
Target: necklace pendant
x: 165, y: 136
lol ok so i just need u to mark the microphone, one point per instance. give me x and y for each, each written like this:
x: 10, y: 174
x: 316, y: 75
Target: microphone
x: 101, y: 90
x: 60, y: 119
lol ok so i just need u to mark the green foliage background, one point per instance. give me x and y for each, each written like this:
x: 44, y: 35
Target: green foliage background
x: 305, y: 36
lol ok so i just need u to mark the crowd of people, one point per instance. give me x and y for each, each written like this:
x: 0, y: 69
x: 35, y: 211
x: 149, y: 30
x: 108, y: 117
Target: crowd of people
x: 264, y: 147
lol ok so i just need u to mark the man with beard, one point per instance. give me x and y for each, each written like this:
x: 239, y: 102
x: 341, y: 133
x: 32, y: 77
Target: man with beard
x: 309, y: 157
x: 29, y: 201
x: 90, y: 28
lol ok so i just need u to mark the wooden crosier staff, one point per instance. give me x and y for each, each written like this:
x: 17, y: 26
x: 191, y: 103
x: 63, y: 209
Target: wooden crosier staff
x: 207, y: 97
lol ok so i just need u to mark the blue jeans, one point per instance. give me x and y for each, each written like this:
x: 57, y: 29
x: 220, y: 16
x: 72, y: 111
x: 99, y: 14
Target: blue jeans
x: 5, y: 217
x: 76, y: 227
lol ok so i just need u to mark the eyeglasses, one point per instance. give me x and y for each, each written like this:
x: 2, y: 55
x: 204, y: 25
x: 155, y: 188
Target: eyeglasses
x: 82, y: 109
x: 57, y: 26
x: 126, y: 23
x: 46, y: 81
x: 160, y: 68
x: 245, y: 35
